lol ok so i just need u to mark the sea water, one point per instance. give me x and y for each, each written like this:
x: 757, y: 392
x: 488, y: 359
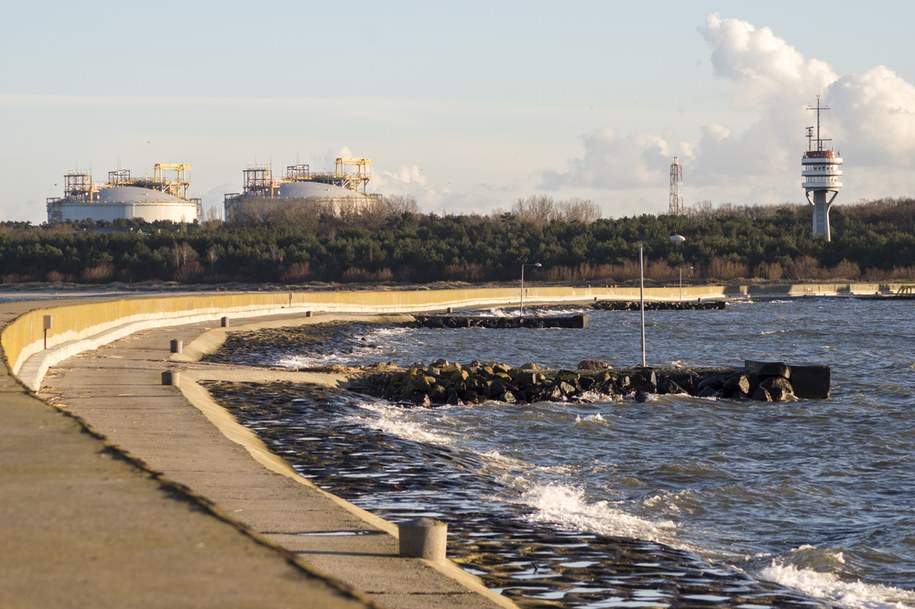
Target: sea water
x: 698, y: 501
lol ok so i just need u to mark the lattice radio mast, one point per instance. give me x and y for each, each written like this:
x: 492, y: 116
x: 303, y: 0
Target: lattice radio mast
x: 676, y: 180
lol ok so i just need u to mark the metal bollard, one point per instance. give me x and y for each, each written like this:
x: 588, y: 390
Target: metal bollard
x: 224, y: 322
x: 424, y: 538
x: 177, y: 346
x: 170, y: 377
x: 307, y: 313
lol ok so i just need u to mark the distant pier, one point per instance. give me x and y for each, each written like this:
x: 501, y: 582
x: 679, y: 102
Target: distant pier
x: 485, y: 321
x: 660, y: 305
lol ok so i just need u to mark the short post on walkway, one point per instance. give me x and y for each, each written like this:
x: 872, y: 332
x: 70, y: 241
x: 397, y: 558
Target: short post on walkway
x: 176, y: 345
x: 47, y: 326
x: 424, y: 538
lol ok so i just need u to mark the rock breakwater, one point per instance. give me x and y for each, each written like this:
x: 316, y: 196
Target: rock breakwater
x: 443, y: 382
x: 514, y: 321
x: 660, y: 305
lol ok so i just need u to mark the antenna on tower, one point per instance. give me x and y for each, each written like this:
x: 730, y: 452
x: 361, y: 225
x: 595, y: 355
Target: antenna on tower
x: 675, y: 207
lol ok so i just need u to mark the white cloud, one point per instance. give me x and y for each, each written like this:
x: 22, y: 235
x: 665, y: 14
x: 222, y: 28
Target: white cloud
x: 764, y: 66
x: 872, y: 120
x: 876, y: 117
x: 611, y: 161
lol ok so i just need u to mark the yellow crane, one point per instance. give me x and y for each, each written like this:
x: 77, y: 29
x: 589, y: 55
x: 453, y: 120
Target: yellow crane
x: 178, y: 186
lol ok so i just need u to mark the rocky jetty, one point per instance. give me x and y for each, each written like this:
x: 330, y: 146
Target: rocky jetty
x: 444, y: 382
x: 513, y: 321
x: 660, y: 305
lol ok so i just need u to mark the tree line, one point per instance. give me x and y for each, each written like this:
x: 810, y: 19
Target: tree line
x: 394, y: 243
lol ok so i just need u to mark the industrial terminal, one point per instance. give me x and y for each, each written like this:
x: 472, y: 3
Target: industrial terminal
x: 160, y: 197
x: 338, y: 192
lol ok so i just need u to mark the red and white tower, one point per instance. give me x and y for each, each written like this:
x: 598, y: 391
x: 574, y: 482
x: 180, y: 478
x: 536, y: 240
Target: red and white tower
x: 676, y: 179
x: 822, y: 173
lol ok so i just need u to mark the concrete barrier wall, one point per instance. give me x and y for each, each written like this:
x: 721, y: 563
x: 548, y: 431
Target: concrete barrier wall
x: 70, y: 322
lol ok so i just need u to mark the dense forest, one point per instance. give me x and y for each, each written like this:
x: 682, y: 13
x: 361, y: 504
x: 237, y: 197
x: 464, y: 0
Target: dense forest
x: 872, y: 241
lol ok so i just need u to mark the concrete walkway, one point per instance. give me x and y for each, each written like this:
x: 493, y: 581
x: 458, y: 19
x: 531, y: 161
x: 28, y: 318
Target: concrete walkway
x: 180, y: 433
x: 82, y: 526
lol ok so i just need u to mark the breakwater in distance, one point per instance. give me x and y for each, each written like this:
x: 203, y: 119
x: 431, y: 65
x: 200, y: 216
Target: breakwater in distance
x: 444, y: 382
x: 502, y: 322
x: 660, y: 305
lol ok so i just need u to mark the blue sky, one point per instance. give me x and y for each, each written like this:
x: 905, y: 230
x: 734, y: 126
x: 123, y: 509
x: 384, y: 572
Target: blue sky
x: 465, y: 106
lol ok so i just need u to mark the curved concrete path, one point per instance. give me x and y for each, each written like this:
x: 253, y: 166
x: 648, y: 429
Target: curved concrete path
x: 301, y: 546
x: 83, y: 526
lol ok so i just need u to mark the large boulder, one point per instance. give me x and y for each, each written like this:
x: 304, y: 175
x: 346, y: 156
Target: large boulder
x: 593, y: 364
x: 778, y: 387
x: 736, y: 386
x: 645, y: 379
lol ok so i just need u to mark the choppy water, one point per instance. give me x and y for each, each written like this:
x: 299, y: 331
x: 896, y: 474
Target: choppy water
x: 677, y: 501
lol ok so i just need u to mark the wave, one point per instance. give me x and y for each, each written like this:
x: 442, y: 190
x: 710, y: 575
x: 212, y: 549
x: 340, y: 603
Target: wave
x: 534, y: 311
x: 395, y: 421
x: 827, y: 586
x: 387, y: 332
x: 567, y: 506
x: 596, y: 419
x: 805, y: 332
x: 508, y: 465
x: 672, y: 501
x: 294, y: 362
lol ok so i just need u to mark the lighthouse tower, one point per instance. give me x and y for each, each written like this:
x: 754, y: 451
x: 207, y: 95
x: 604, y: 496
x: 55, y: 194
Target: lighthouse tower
x: 822, y: 173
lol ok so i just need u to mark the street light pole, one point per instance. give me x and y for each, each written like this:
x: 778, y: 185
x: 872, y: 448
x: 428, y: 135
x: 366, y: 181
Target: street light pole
x: 535, y: 264
x: 642, y: 298
x: 673, y: 239
x: 679, y: 239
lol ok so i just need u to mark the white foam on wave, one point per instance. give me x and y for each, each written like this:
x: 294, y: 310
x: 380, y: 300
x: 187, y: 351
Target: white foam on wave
x: 363, y: 349
x: 827, y: 586
x: 396, y: 422
x: 512, y: 465
x: 568, y: 507
x: 672, y: 502
x: 308, y: 361
x: 387, y: 332
x: 534, y: 312
x: 591, y: 418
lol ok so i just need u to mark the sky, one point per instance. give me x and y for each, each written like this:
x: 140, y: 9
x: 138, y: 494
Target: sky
x: 466, y: 107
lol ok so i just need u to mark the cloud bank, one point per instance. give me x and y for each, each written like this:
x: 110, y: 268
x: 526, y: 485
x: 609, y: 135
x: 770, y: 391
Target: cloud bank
x: 872, y: 121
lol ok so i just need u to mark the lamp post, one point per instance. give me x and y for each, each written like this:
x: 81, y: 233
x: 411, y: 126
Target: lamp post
x: 673, y: 239
x: 533, y: 264
x: 642, y: 298
x: 679, y: 239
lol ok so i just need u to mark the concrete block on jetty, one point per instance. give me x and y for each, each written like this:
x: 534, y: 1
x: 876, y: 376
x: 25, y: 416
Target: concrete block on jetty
x: 660, y: 305
x: 444, y: 382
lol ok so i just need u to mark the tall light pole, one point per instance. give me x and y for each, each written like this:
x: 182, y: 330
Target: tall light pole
x: 642, y: 298
x: 673, y: 239
x: 679, y: 239
x: 534, y: 264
